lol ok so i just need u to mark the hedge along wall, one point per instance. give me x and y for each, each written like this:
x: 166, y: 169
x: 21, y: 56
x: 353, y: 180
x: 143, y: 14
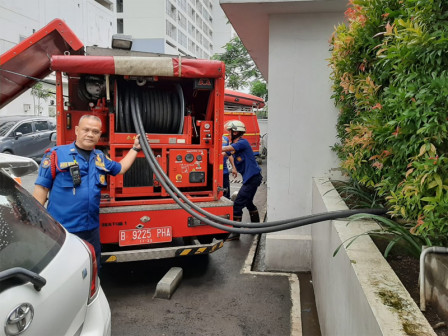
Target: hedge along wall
x: 390, y: 75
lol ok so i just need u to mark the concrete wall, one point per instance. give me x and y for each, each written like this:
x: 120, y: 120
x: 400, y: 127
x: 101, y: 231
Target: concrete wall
x: 356, y: 290
x: 302, y: 120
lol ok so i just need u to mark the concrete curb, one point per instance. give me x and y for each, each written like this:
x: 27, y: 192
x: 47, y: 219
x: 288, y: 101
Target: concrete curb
x: 168, y: 284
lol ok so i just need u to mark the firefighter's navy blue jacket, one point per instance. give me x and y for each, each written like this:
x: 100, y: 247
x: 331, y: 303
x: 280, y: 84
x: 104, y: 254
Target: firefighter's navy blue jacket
x: 77, y: 210
x: 244, y: 159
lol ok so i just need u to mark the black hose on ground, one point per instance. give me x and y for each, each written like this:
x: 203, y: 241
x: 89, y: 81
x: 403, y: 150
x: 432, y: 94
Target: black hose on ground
x: 217, y: 222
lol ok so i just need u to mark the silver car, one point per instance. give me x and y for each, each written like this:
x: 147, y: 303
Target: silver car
x: 48, y: 277
x: 26, y: 135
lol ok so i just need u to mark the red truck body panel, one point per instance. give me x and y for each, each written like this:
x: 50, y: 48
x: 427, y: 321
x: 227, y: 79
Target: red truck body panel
x: 242, y: 106
x: 31, y: 58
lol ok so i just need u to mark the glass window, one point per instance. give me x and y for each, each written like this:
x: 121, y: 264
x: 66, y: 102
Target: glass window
x: 191, y: 11
x: 182, y: 39
x: 52, y: 124
x: 5, y: 127
x: 120, y: 28
x: 182, y: 4
x: 30, y: 237
x: 191, y: 30
x: 41, y: 125
x: 25, y: 128
x: 171, y: 30
x: 119, y: 6
x: 182, y: 21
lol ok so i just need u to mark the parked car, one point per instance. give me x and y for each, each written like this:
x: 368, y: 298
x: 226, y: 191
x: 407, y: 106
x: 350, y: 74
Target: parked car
x: 26, y: 135
x: 49, y: 282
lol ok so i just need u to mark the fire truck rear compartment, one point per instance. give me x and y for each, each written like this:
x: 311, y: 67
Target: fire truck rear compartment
x: 179, y: 116
x: 180, y: 101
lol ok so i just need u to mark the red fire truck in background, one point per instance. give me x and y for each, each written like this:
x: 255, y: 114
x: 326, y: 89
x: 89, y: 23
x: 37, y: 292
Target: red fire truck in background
x: 243, y: 106
x: 181, y: 102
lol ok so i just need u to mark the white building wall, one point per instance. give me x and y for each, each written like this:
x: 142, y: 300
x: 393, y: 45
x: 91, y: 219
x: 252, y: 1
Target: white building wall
x: 302, y: 120
x: 222, y: 29
x: 93, y: 23
x: 144, y: 19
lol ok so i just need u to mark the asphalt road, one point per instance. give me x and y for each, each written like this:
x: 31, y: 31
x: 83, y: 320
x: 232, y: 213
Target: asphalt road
x: 213, y: 298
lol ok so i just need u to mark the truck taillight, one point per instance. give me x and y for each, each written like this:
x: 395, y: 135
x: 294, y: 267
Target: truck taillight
x: 93, y: 272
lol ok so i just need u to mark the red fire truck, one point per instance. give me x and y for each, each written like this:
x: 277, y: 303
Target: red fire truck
x: 242, y: 106
x: 181, y: 102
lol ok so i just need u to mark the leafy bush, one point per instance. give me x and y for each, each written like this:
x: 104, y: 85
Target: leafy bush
x: 390, y: 82
x: 356, y: 195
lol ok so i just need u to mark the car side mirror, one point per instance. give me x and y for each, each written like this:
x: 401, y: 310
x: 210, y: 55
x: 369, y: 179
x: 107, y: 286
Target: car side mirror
x: 53, y: 137
x: 18, y: 134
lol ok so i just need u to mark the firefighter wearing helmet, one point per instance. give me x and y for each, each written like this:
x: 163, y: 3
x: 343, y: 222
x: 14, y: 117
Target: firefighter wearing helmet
x: 247, y: 166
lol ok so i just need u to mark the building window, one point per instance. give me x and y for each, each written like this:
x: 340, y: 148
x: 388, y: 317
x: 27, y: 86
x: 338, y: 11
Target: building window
x: 120, y: 28
x: 182, y: 4
x: 171, y: 30
x: 182, y: 39
x: 105, y: 3
x: 191, y: 45
x: 119, y: 6
x: 171, y: 10
x: 182, y: 20
x: 190, y: 11
x: 200, y: 8
x: 191, y: 29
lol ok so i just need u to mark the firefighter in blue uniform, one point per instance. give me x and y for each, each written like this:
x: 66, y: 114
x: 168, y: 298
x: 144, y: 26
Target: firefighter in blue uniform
x: 73, y: 175
x: 247, y: 166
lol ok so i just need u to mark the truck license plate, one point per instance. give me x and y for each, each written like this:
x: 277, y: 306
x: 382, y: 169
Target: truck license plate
x: 145, y: 236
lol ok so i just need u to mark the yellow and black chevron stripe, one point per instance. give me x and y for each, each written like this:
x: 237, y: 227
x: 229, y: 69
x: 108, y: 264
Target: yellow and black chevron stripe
x: 198, y: 250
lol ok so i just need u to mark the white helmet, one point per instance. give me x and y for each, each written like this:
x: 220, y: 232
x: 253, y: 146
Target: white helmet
x: 236, y: 126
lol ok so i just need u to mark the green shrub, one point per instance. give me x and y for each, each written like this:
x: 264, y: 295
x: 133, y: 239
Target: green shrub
x: 390, y: 82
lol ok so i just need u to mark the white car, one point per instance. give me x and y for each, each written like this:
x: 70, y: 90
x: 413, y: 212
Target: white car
x: 48, y: 277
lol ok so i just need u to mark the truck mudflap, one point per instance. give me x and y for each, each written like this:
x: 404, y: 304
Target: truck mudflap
x: 161, y: 253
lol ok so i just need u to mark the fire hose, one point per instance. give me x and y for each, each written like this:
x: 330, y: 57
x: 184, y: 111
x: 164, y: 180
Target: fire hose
x: 216, y: 221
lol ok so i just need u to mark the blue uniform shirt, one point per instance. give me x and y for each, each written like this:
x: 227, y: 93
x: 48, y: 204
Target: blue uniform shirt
x: 244, y: 159
x: 79, y: 210
x: 225, y: 142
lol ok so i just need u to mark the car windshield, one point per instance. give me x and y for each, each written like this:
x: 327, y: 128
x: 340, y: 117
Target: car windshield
x: 29, y: 236
x: 5, y: 126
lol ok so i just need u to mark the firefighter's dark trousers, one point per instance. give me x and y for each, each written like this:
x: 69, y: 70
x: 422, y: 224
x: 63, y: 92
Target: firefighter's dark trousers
x: 226, y: 185
x: 246, y: 196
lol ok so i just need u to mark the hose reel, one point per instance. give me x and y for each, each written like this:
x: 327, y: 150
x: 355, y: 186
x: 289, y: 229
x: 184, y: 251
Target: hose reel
x: 162, y: 109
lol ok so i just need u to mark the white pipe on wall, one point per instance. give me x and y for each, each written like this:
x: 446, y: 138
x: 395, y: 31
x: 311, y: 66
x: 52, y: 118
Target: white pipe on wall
x: 432, y: 249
